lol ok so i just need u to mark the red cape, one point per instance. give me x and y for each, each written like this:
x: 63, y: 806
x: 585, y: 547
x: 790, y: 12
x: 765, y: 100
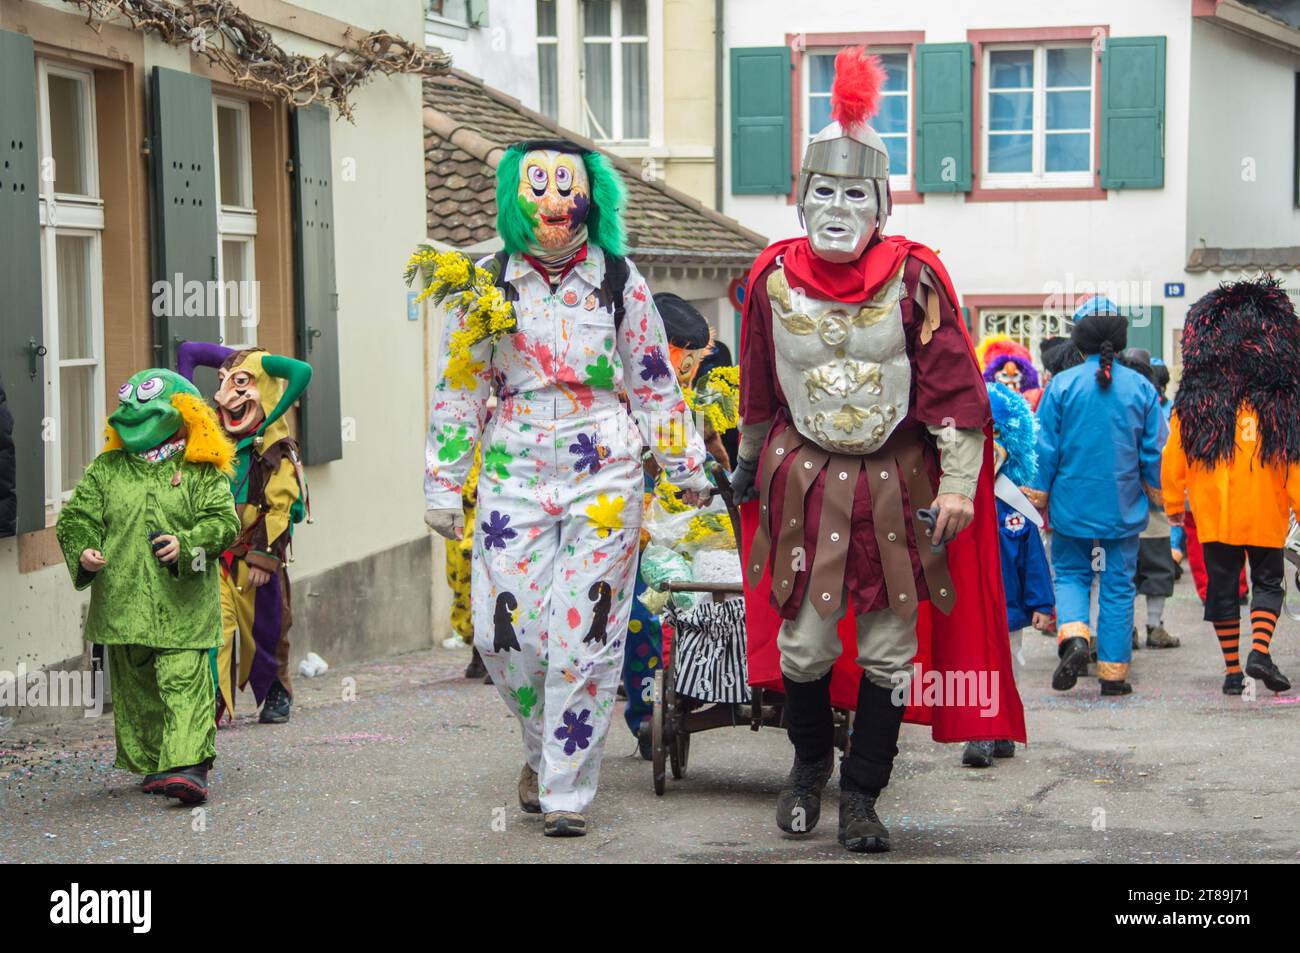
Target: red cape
x: 972, y: 641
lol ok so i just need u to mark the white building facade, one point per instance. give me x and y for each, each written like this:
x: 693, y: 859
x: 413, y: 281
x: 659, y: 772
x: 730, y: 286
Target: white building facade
x: 363, y: 572
x: 1046, y: 150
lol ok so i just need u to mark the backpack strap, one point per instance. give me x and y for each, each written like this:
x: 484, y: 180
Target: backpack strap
x: 616, y: 272
x: 501, y: 259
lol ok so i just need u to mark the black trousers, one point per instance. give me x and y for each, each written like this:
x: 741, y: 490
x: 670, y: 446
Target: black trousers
x: 1223, y: 563
x: 1155, y: 572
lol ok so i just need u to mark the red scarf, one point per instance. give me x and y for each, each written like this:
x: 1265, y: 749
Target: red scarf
x: 849, y: 282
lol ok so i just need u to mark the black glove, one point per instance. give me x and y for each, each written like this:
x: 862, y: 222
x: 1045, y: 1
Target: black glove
x: 742, y: 481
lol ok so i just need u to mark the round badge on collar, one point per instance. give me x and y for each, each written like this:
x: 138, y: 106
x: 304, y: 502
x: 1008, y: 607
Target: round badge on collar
x: 570, y: 297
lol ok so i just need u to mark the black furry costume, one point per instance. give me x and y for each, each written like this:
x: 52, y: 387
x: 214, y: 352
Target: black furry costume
x: 1241, y: 344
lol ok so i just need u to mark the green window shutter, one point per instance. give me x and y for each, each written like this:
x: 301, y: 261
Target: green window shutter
x: 943, y: 117
x: 184, y: 210
x: 1133, y: 113
x: 22, y: 371
x: 1146, y: 328
x: 965, y: 319
x: 315, y: 296
x: 760, y: 121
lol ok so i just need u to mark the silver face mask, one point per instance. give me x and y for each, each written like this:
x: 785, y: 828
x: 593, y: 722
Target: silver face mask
x: 842, y: 216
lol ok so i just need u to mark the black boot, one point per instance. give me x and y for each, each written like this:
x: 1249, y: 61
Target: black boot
x: 188, y: 785
x: 475, y: 668
x: 811, y: 727
x: 1260, y: 665
x: 1234, y: 683
x: 1005, y: 748
x: 866, y: 768
x: 275, y: 710
x: 1073, y: 653
x: 799, y: 805
x: 861, y: 830
x: 978, y: 754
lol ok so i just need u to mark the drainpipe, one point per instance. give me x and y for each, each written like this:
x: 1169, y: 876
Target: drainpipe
x: 718, y: 59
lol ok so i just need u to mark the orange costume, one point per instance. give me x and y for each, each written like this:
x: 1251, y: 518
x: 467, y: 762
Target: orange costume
x: 1233, y: 459
x: 1243, y: 502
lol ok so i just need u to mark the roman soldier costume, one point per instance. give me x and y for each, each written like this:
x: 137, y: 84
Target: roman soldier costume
x: 863, y: 407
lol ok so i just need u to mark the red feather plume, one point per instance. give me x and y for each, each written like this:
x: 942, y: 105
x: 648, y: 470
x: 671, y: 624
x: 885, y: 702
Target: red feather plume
x: 855, y: 94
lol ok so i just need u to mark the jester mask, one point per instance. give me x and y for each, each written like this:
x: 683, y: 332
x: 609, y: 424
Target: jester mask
x: 553, y: 196
x: 254, y: 388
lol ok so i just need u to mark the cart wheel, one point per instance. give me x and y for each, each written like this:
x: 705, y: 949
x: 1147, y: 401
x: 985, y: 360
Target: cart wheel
x: 658, y: 748
x: 678, y: 753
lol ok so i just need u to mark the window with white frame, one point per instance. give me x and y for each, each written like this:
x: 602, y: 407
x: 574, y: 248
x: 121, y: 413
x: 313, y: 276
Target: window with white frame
x: 548, y: 58
x: 1028, y: 327
x: 71, y: 222
x: 454, y: 11
x: 236, y: 223
x: 893, y: 121
x: 1038, y: 115
x: 600, y: 69
x: 616, y: 70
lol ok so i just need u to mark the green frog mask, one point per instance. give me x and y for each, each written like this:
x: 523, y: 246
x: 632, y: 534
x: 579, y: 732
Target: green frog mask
x: 146, y: 414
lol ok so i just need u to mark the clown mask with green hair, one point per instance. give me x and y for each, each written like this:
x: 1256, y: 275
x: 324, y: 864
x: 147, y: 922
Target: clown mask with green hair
x: 553, y: 196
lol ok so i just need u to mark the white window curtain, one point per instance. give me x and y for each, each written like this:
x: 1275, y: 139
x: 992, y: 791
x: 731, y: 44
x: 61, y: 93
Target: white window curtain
x: 72, y: 220
x: 240, y: 300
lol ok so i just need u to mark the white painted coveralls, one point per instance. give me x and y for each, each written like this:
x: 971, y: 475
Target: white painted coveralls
x: 559, y: 501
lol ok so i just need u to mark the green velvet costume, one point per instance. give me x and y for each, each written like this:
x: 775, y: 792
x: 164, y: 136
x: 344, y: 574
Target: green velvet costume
x: 157, y: 621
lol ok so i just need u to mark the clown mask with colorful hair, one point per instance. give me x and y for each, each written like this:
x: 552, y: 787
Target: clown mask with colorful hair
x: 553, y: 196
x: 1006, y: 361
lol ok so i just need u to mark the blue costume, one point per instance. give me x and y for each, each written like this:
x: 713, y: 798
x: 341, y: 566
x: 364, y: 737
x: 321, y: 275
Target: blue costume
x: 1101, y: 434
x: 1026, y: 578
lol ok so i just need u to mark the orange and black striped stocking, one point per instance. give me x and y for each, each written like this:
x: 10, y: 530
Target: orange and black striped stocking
x: 1262, y: 624
x: 1229, y: 633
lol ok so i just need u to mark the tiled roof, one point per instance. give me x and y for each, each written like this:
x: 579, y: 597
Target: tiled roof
x: 472, y: 124
x: 1240, y: 259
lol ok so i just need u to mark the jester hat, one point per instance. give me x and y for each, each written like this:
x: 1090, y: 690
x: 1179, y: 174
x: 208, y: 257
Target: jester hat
x: 156, y: 404
x: 517, y: 216
x: 280, y: 381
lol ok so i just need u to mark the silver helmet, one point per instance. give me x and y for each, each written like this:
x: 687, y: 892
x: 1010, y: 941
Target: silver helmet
x: 844, y: 198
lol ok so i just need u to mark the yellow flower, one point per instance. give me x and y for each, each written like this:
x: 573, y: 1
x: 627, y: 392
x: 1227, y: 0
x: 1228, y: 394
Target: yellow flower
x: 708, y: 527
x: 462, y: 370
x: 669, y: 497
x: 606, y: 515
x: 718, y: 398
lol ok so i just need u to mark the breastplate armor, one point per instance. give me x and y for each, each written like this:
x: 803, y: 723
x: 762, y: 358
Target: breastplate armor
x: 844, y: 368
